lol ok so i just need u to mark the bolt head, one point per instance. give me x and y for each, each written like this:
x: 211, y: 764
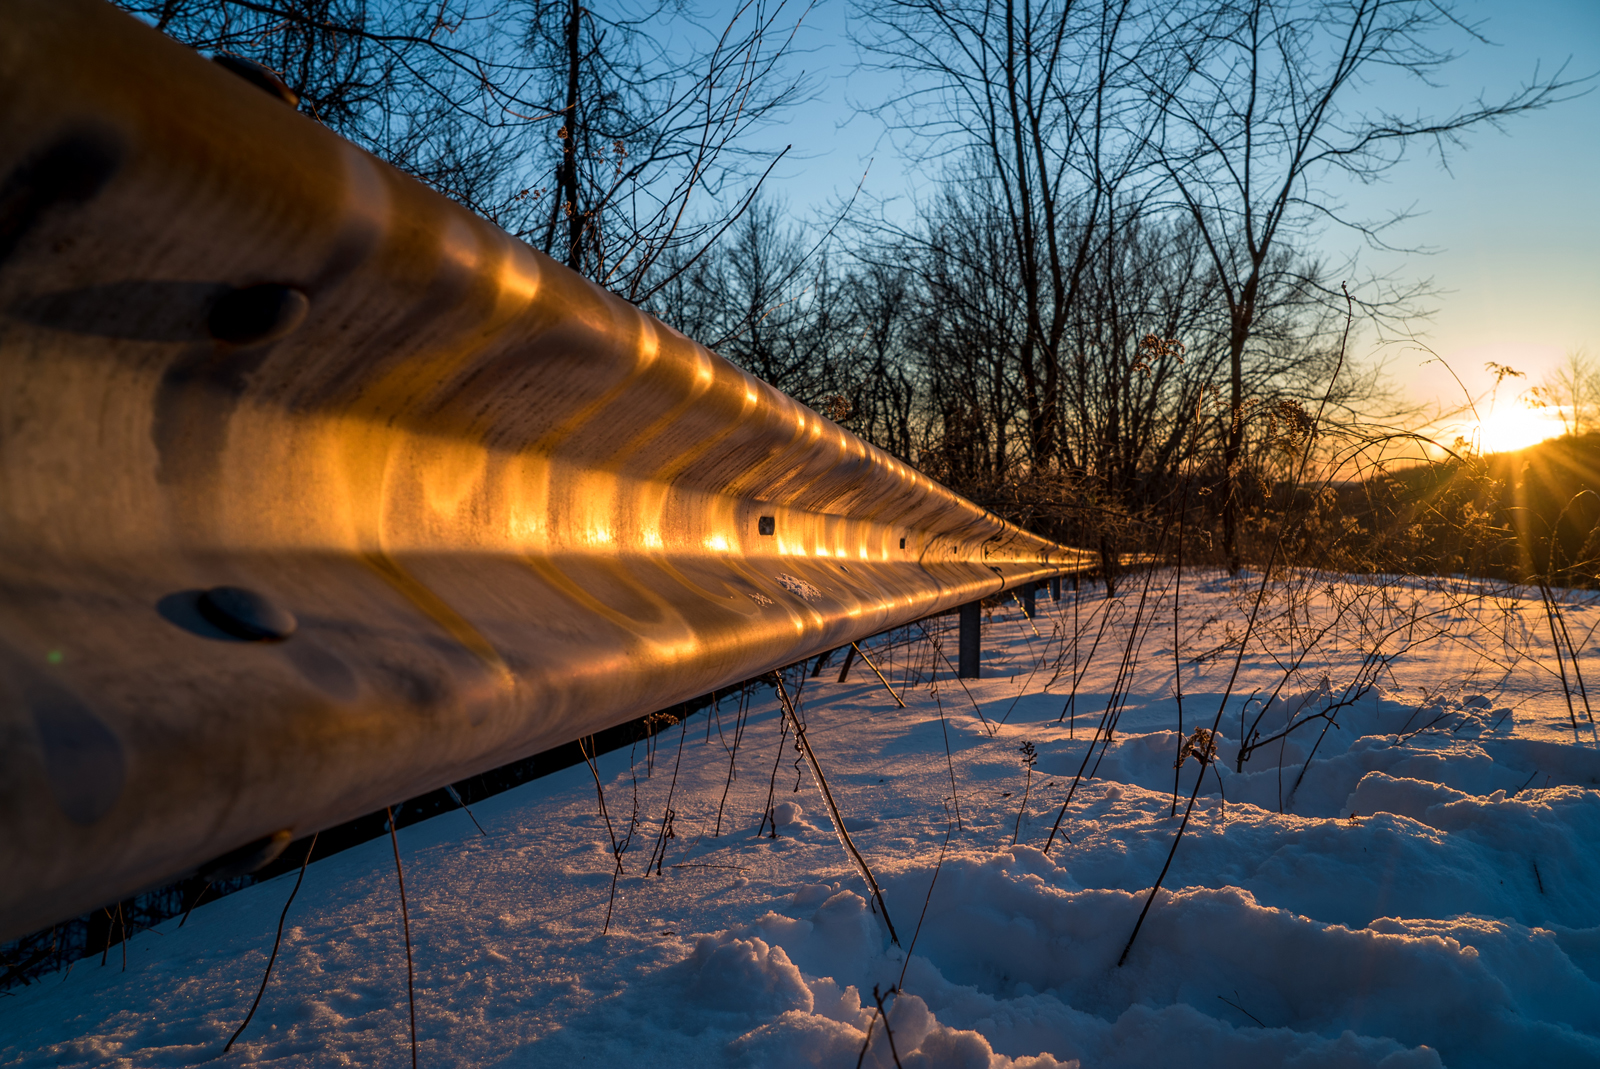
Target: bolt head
x: 257, y: 314
x: 246, y: 614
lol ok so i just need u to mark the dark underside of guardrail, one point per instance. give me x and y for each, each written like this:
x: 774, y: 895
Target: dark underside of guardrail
x: 101, y: 932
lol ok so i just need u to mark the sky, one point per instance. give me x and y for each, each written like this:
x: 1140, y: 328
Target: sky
x: 1507, y: 234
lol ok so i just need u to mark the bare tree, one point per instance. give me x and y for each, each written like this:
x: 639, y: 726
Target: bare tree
x: 1052, y: 252
x: 1259, y: 106
x: 604, y: 138
x: 963, y: 338
x: 1572, y: 390
x: 1029, y: 100
x: 883, y: 395
x: 1130, y: 407
x: 647, y: 134
x: 766, y: 298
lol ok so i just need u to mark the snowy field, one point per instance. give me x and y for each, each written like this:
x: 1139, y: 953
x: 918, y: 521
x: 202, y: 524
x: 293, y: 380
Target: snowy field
x: 1424, y: 890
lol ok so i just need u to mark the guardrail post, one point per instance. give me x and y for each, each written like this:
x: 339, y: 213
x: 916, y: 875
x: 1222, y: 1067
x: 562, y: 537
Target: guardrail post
x: 1027, y: 599
x: 967, y: 666
x: 1055, y: 588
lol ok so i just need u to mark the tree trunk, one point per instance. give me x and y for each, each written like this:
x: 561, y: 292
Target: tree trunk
x: 566, y: 199
x: 1233, y: 451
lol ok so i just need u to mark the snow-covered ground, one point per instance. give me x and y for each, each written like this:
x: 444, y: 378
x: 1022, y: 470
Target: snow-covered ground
x: 1426, y: 891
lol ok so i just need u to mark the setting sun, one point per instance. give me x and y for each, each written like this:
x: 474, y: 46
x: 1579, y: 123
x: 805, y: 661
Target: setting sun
x: 1513, y: 427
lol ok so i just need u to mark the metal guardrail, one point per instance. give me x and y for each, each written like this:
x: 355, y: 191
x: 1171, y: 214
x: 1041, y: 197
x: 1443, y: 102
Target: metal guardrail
x: 317, y: 491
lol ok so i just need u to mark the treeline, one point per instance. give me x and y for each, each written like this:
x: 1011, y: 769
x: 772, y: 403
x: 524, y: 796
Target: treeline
x: 1109, y: 313
x: 915, y: 342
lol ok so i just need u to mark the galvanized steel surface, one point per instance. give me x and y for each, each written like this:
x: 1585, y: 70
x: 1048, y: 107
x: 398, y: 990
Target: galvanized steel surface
x: 317, y: 491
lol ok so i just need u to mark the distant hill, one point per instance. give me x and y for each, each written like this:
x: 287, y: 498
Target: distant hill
x: 1513, y: 515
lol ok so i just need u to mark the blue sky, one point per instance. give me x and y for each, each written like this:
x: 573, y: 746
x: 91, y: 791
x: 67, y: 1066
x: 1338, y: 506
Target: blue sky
x: 1514, y: 224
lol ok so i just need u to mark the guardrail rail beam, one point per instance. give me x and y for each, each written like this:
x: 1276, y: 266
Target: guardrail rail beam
x: 318, y: 492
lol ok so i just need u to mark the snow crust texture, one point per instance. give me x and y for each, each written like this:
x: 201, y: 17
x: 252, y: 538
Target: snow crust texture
x: 1408, y: 877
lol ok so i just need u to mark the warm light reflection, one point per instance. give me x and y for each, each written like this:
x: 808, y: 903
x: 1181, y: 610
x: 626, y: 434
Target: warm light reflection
x: 599, y: 535
x: 717, y: 543
x: 526, y: 529
x: 460, y: 245
x: 519, y: 276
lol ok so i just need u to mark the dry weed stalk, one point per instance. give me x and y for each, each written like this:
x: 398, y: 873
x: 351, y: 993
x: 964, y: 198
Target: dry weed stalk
x: 405, y: 921
x: 1233, y: 676
x: 868, y: 662
x: 937, y: 868
x: 1030, y: 757
x: 278, y: 939
x: 772, y: 783
x: 741, y: 718
x: 989, y: 728
x: 616, y: 848
x: 658, y: 854
x: 849, y: 845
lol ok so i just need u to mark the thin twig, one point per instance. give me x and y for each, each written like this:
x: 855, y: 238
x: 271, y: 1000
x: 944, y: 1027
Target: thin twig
x: 804, y: 745
x: 868, y: 661
x: 405, y: 920
x: 456, y: 797
x: 948, y: 828
x: 739, y: 720
x: 599, y: 791
x: 1028, y: 757
x: 772, y: 784
x: 885, y: 1015
x: 659, y: 854
x: 1242, y: 1010
x: 275, y: 941
x: 867, y: 1042
x: 988, y: 728
x: 616, y: 848
x: 194, y: 902
x: 949, y: 759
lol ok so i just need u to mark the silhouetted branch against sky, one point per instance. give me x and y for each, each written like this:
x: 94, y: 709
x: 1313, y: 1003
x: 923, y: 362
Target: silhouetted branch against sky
x: 603, y: 135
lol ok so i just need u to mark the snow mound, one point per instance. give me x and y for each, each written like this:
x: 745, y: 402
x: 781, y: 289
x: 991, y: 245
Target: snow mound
x: 1013, y: 959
